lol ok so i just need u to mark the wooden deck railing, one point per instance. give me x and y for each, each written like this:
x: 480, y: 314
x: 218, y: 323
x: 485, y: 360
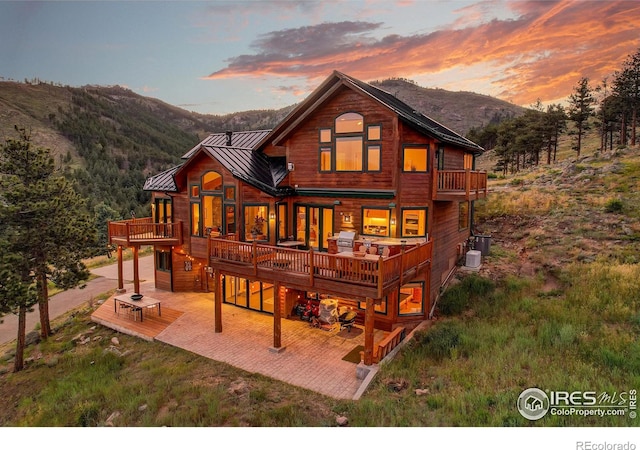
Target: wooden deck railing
x: 472, y: 184
x: 144, y: 231
x: 263, y: 260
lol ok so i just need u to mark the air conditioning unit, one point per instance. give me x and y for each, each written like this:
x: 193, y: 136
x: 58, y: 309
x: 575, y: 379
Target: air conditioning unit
x: 474, y: 258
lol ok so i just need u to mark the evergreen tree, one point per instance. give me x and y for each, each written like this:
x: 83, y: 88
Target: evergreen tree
x: 580, y: 109
x: 46, y: 230
x: 626, y: 87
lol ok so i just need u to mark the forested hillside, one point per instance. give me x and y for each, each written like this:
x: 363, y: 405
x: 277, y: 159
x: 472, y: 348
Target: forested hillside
x: 109, y: 139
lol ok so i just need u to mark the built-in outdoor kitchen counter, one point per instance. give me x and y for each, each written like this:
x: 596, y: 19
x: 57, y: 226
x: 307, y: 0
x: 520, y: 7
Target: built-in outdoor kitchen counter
x: 394, y: 244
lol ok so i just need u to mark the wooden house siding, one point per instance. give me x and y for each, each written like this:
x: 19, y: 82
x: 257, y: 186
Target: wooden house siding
x: 303, y: 147
x: 453, y: 159
x: 447, y: 238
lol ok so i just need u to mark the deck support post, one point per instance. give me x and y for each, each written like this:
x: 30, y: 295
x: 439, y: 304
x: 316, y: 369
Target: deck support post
x: 217, y: 301
x: 368, y: 332
x: 136, y: 272
x: 277, y: 319
x: 120, y: 270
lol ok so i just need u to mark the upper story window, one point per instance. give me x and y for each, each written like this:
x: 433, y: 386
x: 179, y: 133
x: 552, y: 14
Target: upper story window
x: 211, y: 181
x: 350, y: 146
x: 349, y: 123
x: 414, y: 158
x: 374, y: 132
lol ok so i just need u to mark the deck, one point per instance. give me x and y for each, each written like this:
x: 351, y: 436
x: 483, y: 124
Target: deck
x: 148, y: 329
x: 144, y: 232
x: 308, y: 270
x: 459, y: 185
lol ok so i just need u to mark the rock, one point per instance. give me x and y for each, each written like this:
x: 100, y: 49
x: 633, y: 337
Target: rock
x: 342, y: 421
x: 238, y: 387
x: 422, y: 391
x: 112, y: 349
x: 143, y: 407
x: 114, y: 415
x: 31, y: 338
x: 115, y: 341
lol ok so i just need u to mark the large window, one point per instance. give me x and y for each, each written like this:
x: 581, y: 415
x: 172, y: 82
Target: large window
x: 207, y: 214
x: 162, y: 211
x: 414, y: 222
x: 373, y: 158
x: 348, y: 147
x: 256, y: 223
x: 349, y: 123
x: 415, y: 159
x: 211, y: 181
x: 375, y: 222
x: 325, y: 159
x: 411, y: 299
x: 195, y: 219
x: 349, y: 154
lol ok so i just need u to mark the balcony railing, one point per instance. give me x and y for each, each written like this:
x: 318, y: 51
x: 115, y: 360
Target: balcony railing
x: 307, y: 269
x: 144, y: 231
x: 459, y: 184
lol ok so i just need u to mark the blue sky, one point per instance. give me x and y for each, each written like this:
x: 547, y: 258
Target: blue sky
x: 223, y: 56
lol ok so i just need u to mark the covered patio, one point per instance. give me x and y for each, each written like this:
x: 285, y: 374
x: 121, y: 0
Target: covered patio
x: 310, y: 357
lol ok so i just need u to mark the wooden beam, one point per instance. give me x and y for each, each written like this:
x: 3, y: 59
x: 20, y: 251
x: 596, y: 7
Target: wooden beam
x: 136, y: 272
x: 217, y: 302
x: 277, y: 317
x: 368, y: 332
x: 120, y: 270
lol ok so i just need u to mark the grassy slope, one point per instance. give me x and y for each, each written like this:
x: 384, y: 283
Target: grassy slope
x: 563, y: 314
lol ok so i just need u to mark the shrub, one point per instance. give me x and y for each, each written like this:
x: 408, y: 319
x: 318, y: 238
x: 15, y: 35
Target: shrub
x: 440, y: 341
x: 453, y: 301
x: 614, y: 205
x: 456, y: 298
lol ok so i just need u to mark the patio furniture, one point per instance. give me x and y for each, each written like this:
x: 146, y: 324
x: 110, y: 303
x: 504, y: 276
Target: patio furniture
x: 136, y: 307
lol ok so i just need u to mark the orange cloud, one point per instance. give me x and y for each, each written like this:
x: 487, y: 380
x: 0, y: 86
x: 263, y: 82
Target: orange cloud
x: 540, y: 53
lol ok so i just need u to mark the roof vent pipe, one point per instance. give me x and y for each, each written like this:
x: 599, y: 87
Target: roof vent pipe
x: 229, y: 134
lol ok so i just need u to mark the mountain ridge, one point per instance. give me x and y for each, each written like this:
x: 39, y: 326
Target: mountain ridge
x: 109, y: 138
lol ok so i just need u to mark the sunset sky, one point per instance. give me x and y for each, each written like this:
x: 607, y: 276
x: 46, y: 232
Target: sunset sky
x: 225, y: 56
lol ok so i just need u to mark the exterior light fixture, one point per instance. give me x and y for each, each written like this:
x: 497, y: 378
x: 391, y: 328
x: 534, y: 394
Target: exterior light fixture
x: 272, y: 215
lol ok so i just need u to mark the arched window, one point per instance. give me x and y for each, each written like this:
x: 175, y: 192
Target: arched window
x: 211, y: 181
x: 349, y: 123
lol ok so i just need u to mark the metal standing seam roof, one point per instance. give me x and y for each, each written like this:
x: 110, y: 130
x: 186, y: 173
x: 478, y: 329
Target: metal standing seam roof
x: 239, y: 139
x: 409, y: 114
x: 252, y: 167
x: 163, y: 181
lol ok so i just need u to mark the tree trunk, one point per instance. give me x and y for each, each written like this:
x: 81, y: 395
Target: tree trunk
x: 633, y: 126
x: 43, y: 305
x: 21, y: 339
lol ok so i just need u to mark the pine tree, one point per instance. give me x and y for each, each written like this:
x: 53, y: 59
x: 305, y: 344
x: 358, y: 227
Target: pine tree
x: 45, y: 233
x: 580, y: 109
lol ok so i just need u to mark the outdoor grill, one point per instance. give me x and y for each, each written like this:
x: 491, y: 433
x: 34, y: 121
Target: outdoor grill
x: 345, y: 241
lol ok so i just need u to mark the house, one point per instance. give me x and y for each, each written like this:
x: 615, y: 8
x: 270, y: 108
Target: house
x: 268, y: 219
